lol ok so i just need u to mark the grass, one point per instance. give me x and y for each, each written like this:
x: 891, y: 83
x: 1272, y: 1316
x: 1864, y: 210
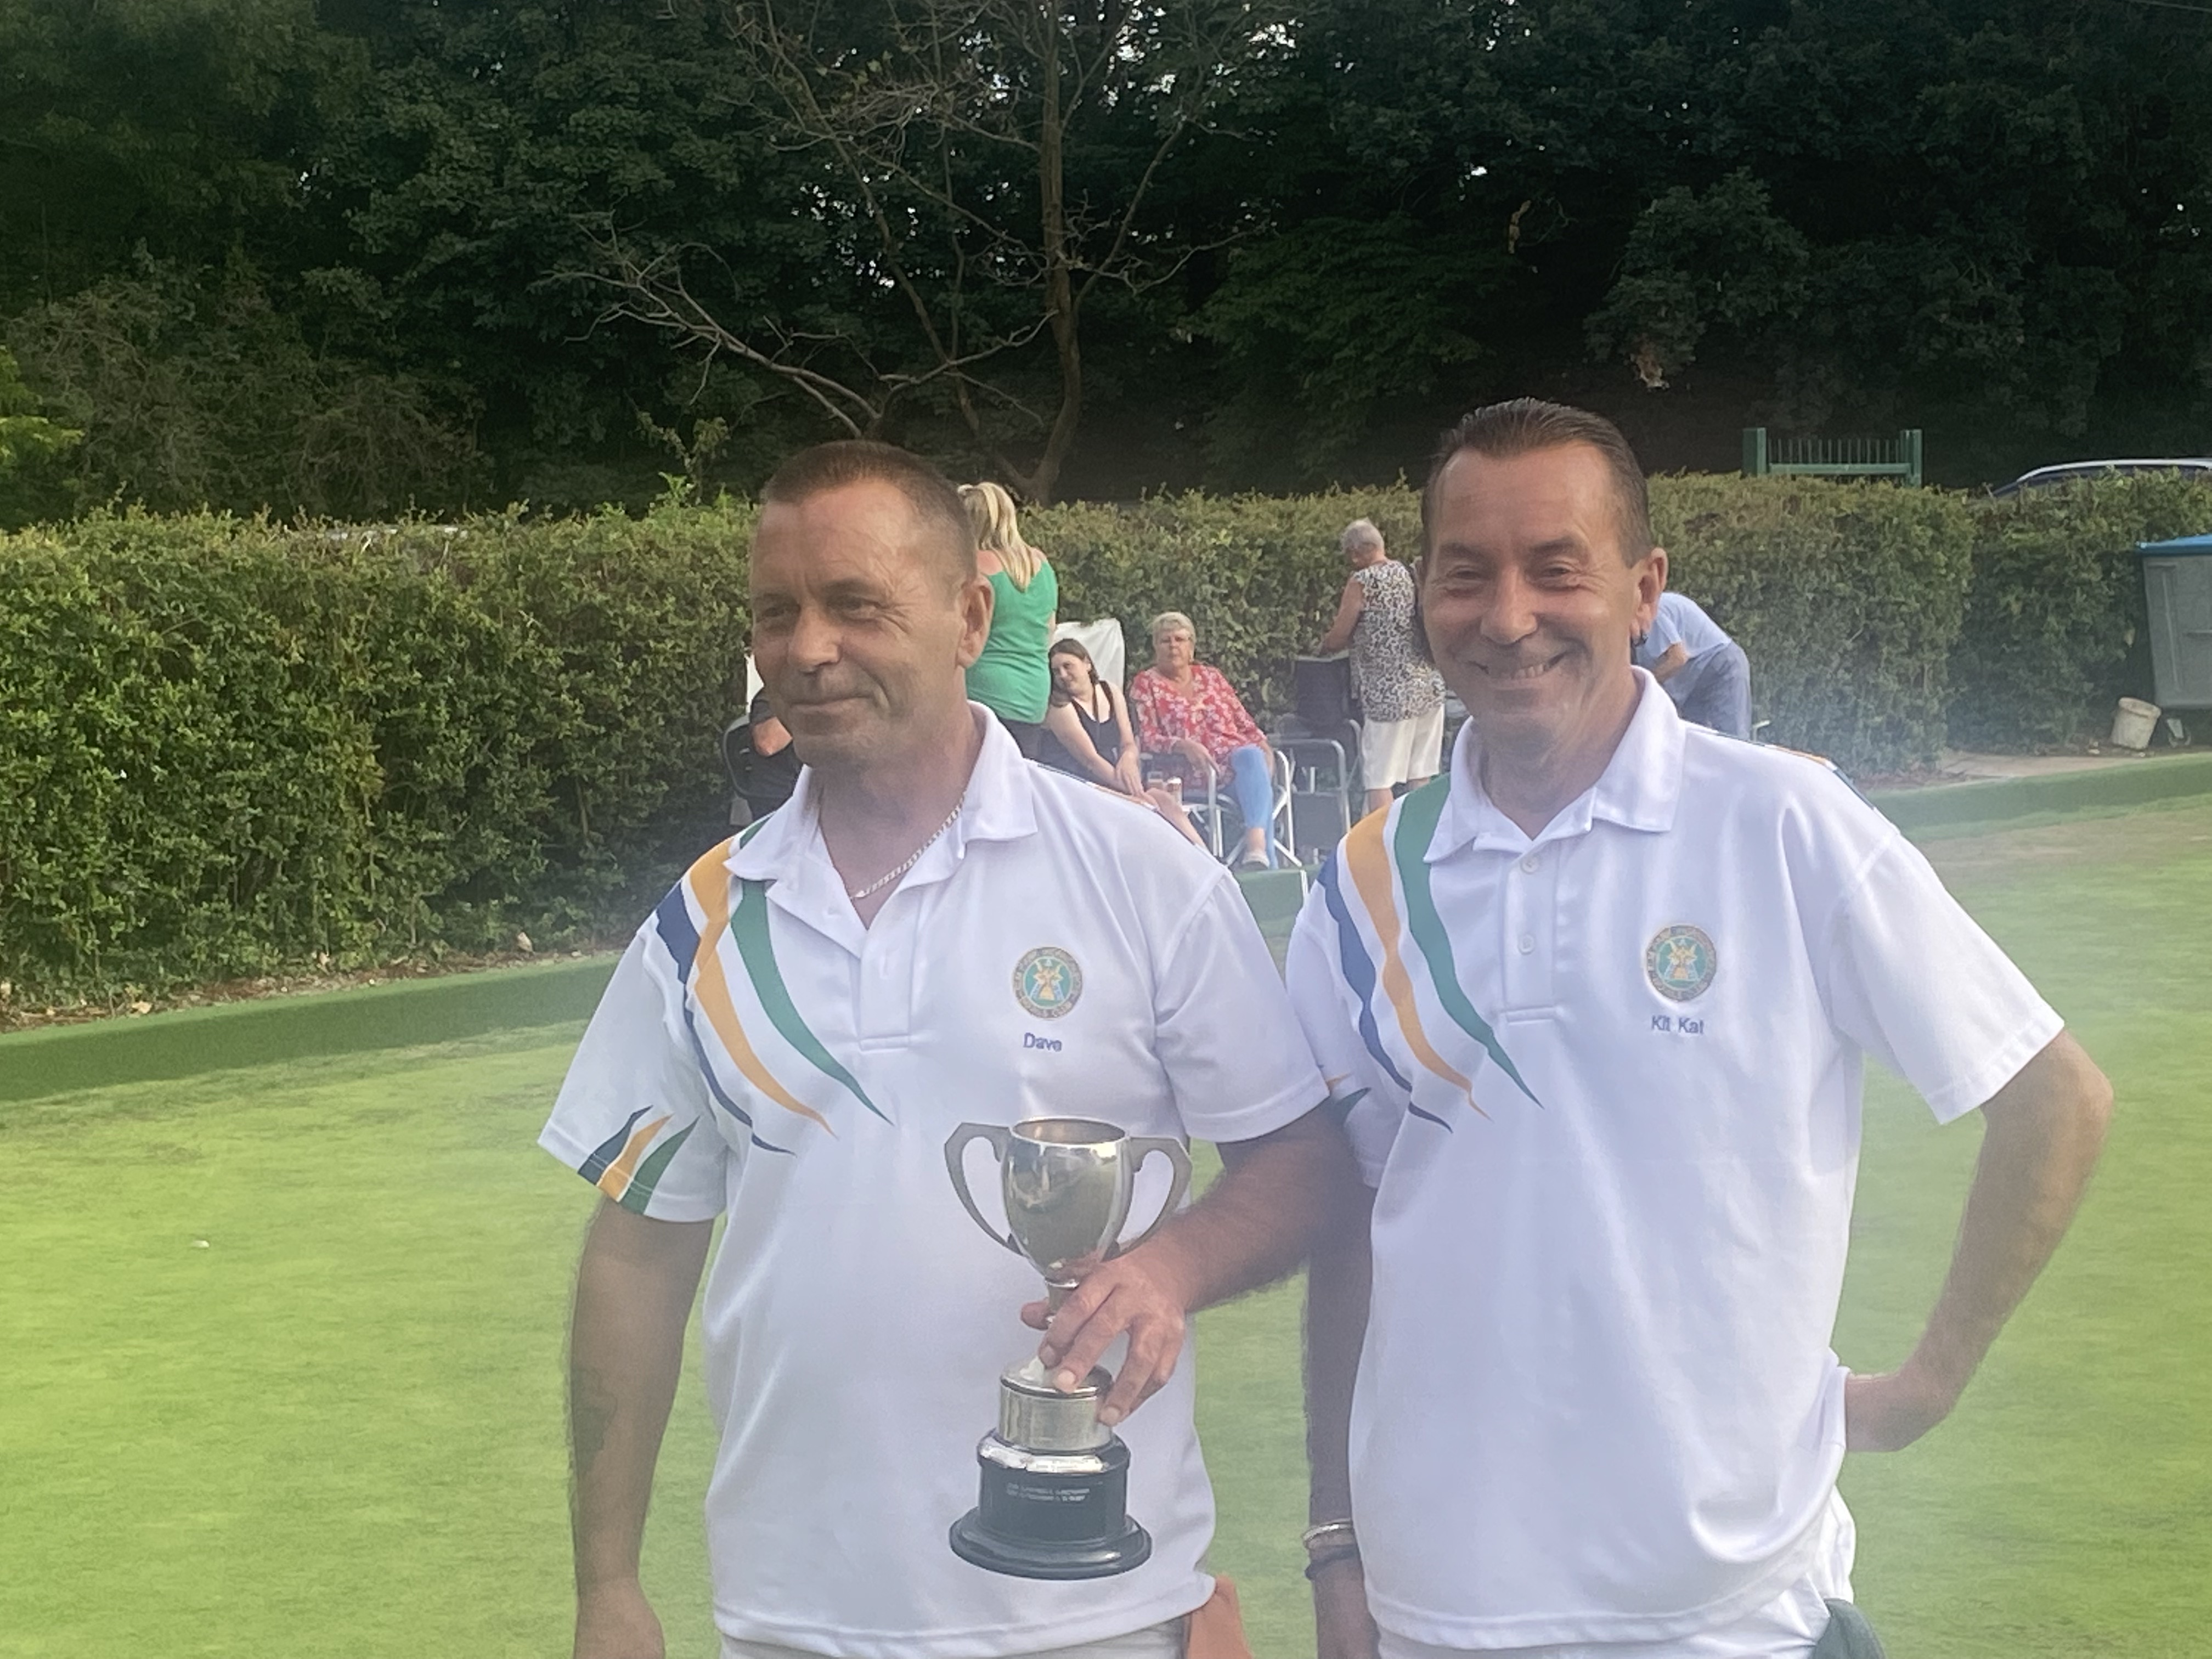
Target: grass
x: 282, y: 1346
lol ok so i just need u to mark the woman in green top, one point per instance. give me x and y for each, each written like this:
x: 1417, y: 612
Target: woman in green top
x: 1013, y: 678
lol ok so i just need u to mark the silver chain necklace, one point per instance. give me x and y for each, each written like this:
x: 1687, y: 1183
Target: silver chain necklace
x: 911, y: 859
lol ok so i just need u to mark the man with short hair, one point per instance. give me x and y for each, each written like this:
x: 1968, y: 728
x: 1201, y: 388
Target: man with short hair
x: 1402, y: 701
x: 1704, y: 671
x: 1595, y: 1002
x: 932, y: 930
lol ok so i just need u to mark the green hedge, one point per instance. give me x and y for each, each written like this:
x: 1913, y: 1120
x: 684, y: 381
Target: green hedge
x: 229, y: 747
x: 1846, y: 597
x: 226, y: 748
x: 2054, y: 629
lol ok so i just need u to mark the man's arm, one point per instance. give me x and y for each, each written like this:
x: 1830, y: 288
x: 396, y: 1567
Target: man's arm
x: 1337, y: 1287
x: 1348, y: 617
x: 2042, y: 1134
x: 1670, y: 662
x: 1252, y: 1226
x: 634, y: 1290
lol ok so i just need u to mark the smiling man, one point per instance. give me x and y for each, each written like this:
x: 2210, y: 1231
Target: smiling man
x: 1594, y: 1004
x: 932, y: 930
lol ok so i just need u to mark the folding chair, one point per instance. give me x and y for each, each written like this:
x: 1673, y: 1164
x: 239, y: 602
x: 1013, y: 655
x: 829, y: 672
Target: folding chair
x: 1320, y: 804
x: 1222, y: 825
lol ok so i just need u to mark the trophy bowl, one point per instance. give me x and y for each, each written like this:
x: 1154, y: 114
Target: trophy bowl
x: 1054, y: 1480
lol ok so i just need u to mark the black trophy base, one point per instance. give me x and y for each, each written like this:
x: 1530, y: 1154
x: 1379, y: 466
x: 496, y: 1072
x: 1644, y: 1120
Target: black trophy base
x: 1024, y: 1559
x: 1052, y: 1515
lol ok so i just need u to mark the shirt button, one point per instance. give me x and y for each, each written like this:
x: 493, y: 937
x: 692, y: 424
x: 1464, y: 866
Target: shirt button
x: 1527, y: 943
x: 1531, y: 864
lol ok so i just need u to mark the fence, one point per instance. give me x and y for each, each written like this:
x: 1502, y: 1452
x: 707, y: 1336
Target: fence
x: 1833, y: 458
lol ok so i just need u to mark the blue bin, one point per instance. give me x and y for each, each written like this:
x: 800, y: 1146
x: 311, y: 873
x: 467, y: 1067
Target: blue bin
x: 2178, y: 589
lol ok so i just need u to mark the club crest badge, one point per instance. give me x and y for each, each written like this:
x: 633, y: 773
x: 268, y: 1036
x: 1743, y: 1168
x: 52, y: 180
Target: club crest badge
x: 1680, y: 962
x: 1047, y: 982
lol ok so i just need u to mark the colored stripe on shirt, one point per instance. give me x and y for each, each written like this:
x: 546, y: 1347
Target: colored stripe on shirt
x: 1417, y: 826
x: 1369, y: 861
x: 709, y: 882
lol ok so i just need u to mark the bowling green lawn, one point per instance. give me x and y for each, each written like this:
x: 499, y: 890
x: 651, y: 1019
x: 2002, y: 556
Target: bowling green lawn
x: 334, y: 1428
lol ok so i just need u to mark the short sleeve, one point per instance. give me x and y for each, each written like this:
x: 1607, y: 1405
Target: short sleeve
x: 1372, y: 1099
x: 1223, y: 1026
x: 1915, y: 981
x: 633, y: 1117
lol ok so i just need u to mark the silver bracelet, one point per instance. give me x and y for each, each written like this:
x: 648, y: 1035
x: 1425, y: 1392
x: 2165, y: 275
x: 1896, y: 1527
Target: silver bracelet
x: 1327, y: 1534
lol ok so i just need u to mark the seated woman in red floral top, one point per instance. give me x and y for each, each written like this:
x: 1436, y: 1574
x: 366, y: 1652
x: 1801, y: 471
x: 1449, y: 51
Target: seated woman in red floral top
x: 1188, y: 714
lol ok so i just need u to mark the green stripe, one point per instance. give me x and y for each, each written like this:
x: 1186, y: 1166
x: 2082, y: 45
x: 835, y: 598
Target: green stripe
x: 1417, y: 826
x: 749, y: 927
x: 639, y: 1193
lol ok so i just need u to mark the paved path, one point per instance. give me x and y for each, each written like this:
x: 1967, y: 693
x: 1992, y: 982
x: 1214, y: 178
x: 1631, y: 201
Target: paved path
x: 1963, y: 765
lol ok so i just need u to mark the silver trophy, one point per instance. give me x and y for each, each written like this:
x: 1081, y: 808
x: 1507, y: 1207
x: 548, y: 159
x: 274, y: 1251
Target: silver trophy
x: 1055, y: 1480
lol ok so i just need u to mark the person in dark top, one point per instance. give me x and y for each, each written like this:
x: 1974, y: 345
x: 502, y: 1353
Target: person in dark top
x: 763, y: 766
x: 1087, y: 733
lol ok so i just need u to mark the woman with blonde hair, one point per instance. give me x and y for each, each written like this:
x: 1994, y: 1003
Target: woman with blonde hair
x: 1011, y: 678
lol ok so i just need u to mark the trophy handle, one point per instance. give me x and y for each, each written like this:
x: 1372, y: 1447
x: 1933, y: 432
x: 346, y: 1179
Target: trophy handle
x: 1141, y: 1147
x: 955, y: 1149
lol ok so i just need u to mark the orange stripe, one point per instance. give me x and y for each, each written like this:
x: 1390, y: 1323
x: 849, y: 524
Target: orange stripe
x: 710, y: 884
x: 614, y: 1180
x: 1370, y: 864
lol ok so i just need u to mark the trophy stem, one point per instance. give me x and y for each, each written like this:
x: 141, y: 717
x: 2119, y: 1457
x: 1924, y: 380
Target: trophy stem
x: 1056, y: 1292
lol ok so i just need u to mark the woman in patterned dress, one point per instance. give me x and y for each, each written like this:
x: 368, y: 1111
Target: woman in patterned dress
x: 1401, y: 697
x: 1189, y: 717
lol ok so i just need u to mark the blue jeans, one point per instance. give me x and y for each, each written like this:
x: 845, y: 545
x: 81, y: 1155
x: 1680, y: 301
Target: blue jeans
x: 1254, y: 791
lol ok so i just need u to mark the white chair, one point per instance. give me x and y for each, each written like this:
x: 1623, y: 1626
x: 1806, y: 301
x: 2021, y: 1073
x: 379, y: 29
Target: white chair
x: 1102, y: 640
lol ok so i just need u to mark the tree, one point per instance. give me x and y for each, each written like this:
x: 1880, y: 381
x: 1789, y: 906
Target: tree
x: 30, y: 447
x: 191, y: 390
x: 185, y: 126
x: 981, y: 168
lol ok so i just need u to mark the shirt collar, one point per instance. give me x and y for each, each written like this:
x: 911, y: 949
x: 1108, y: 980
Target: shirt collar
x: 1638, y: 789
x: 1000, y: 803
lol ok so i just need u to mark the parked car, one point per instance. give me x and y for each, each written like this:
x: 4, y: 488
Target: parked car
x: 2070, y: 473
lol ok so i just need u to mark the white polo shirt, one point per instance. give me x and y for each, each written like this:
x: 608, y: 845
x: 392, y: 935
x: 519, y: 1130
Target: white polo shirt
x: 1606, y: 1084
x: 1059, y: 951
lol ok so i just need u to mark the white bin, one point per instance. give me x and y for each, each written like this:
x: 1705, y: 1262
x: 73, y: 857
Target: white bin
x: 2133, y: 722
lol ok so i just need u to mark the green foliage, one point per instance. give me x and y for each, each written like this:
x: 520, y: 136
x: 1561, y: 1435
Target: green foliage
x: 193, y: 127
x: 1330, y: 321
x: 2054, y: 628
x: 1845, y: 595
x: 31, y: 449
x: 226, y: 746
x: 1672, y: 288
x: 1984, y: 221
x: 195, y: 392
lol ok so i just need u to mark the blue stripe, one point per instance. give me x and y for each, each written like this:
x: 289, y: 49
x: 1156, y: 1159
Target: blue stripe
x: 673, y: 921
x: 1358, y: 971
